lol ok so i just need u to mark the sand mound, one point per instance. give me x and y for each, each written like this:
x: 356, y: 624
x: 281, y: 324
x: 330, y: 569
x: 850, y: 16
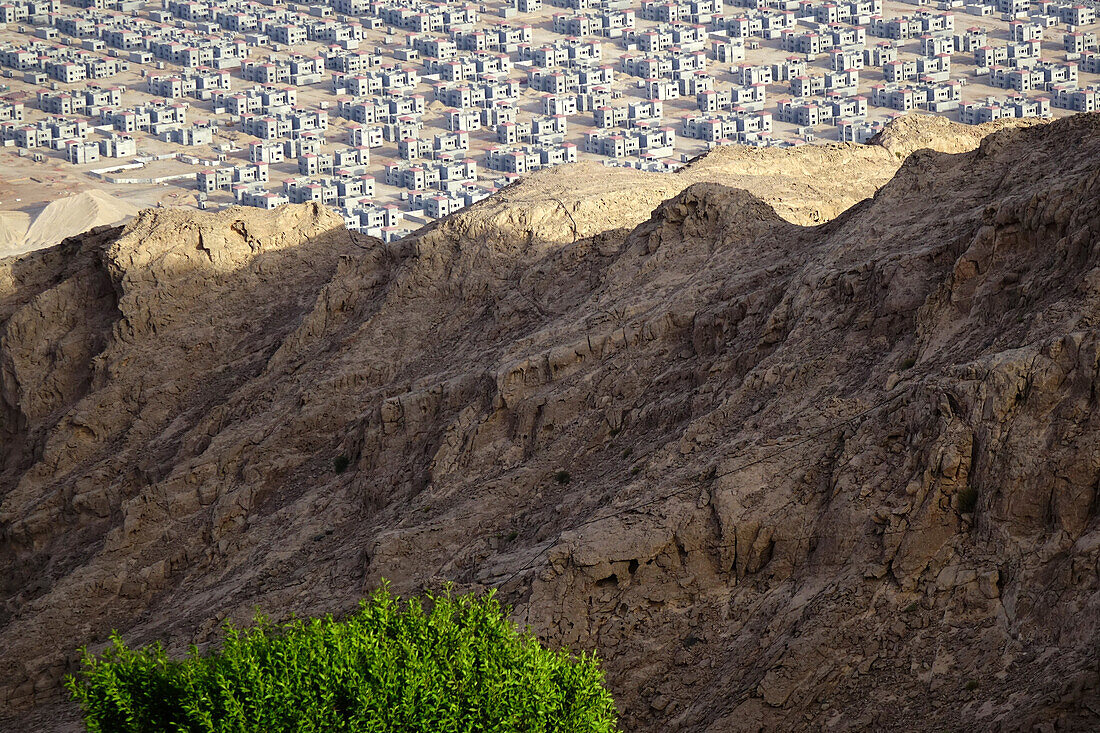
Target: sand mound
x: 13, y: 231
x: 72, y: 215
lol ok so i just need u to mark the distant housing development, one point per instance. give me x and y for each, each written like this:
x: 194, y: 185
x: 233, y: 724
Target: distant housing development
x: 398, y: 113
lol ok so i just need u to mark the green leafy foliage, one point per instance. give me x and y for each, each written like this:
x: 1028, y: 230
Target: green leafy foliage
x: 448, y: 664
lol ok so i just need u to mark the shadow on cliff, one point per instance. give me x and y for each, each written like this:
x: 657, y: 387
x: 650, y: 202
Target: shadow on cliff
x: 75, y: 317
x: 595, y: 426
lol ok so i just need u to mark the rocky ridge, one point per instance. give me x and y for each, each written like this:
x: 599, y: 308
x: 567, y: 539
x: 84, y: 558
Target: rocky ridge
x: 778, y: 473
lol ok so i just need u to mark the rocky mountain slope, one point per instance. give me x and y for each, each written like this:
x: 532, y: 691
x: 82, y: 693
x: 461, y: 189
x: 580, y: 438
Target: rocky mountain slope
x: 780, y: 474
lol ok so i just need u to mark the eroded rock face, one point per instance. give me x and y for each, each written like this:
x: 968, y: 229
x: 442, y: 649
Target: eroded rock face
x: 779, y: 476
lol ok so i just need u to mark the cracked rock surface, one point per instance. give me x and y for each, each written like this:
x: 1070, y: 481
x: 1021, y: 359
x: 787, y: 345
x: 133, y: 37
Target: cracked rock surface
x: 796, y: 439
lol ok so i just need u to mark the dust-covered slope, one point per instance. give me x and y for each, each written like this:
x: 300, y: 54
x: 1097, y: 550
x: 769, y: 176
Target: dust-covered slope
x: 61, y: 218
x: 838, y: 475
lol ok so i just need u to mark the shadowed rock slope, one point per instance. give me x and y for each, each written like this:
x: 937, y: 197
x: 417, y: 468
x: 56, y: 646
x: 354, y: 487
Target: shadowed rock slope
x: 779, y: 476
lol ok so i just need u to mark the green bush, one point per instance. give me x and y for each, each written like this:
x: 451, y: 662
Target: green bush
x: 446, y: 665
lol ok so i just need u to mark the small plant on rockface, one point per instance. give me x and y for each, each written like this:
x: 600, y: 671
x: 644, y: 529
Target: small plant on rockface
x: 968, y: 499
x: 627, y: 453
x: 444, y: 663
x: 635, y: 470
x: 907, y: 363
x: 340, y: 463
x: 562, y: 477
x: 971, y: 685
